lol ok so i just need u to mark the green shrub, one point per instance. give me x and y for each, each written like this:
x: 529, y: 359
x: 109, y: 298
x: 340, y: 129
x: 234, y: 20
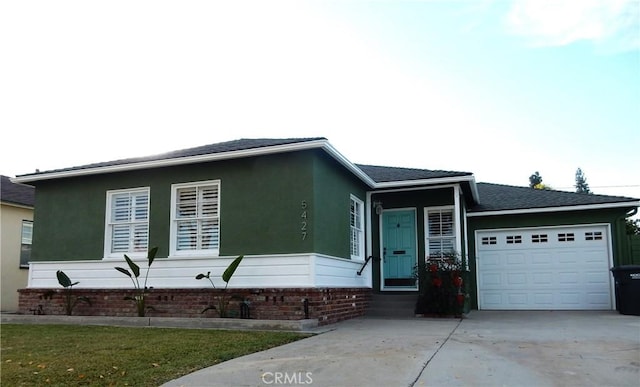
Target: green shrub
x: 140, y: 293
x: 223, y: 299
x: 70, y: 300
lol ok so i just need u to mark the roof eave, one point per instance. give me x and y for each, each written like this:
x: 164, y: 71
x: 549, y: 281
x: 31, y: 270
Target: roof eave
x: 600, y: 206
x: 18, y: 205
x: 348, y: 164
x: 316, y: 144
x: 436, y: 181
x: 173, y: 161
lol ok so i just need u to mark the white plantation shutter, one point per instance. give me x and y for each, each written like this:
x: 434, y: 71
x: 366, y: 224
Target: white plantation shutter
x: 128, y: 224
x: 196, y: 217
x: 357, y: 236
x: 441, y: 237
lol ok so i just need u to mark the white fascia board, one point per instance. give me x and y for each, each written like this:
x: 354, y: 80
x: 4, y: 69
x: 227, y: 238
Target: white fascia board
x: 175, y: 161
x: 555, y: 209
x: 348, y: 164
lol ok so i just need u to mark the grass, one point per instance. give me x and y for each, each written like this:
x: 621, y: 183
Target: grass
x: 70, y: 355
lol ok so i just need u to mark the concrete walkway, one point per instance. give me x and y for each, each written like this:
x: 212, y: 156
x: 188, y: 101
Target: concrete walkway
x: 485, y: 349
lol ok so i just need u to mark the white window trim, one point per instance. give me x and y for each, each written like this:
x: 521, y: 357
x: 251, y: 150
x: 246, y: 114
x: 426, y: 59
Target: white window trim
x: 456, y: 235
x: 361, y: 246
x: 26, y: 224
x: 173, y: 250
x: 107, y: 230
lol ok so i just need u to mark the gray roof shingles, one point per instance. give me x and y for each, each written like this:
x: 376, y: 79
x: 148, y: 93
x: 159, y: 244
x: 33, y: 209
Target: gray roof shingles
x: 497, y: 197
x: 493, y: 197
x: 11, y: 192
x: 381, y: 174
x: 222, y: 147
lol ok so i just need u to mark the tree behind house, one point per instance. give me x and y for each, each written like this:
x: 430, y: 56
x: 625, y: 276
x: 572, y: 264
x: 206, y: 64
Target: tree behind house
x: 581, y: 182
x: 535, y: 180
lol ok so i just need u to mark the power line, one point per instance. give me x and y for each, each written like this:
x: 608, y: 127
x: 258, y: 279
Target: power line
x: 608, y: 186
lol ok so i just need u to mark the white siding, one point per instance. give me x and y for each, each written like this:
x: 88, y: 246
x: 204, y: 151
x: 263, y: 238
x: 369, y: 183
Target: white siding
x: 272, y: 271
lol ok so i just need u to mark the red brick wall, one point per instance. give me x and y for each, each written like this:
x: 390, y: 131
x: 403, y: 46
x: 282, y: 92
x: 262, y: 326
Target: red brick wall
x: 328, y: 305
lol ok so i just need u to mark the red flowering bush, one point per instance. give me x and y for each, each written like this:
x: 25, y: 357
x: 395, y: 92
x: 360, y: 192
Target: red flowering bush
x: 443, y: 283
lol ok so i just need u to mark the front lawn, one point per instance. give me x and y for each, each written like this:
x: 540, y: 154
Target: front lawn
x: 71, y: 355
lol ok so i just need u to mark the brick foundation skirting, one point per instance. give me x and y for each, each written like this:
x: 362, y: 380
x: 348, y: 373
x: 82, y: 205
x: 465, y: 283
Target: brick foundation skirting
x: 328, y: 305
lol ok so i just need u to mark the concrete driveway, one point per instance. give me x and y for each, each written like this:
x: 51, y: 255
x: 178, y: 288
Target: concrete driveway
x: 539, y: 349
x: 484, y: 349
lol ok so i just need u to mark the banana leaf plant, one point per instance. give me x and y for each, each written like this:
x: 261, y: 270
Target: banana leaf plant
x: 223, y: 299
x: 140, y: 292
x: 70, y: 301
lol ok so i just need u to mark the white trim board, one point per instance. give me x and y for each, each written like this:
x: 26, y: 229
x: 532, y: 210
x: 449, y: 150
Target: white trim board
x: 555, y: 209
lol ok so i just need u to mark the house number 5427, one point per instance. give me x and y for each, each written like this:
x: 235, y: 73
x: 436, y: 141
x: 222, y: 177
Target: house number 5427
x: 304, y: 217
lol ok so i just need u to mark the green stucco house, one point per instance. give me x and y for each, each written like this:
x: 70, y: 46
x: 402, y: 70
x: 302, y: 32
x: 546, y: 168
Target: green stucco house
x: 319, y: 233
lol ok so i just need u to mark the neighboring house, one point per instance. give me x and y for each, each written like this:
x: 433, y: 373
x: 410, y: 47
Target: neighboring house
x: 306, y: 219
x: 16, y: 229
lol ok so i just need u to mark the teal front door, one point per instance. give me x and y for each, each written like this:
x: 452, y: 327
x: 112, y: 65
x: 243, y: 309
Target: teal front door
x: 398, y: 249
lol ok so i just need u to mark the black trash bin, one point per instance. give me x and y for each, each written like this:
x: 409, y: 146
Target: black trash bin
x: 627, y: 280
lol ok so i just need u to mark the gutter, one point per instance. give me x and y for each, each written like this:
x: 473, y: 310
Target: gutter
x: 556, y: 209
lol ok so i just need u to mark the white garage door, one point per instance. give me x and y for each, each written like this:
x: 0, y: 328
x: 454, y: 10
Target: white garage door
x: 544, y: 268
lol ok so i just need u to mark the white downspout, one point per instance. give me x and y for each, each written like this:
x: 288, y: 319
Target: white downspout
x: 457, y: 223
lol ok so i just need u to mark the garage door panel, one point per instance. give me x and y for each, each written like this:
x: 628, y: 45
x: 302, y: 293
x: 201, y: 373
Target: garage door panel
x: 543, y: 299
x: 568, y: 257
x: 492, y: 260
x: 541, y: 258
x: 518, y: 299
x: 597, y: 278
x: 570, y: 299
x: 516, y: 259
x: 549, y: 268
x: 598, y: 299
x: 542, y: 278
x: 570, y: 278
x: 488, y: 280
x: 593, y: 256
x: 516, y: 279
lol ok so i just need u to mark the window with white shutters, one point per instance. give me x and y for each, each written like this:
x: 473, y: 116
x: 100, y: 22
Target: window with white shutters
x: 196, y: 218
x: 127, y: 222
x: 356, y: 220
x: 25, y: 244
x: 441, y: 238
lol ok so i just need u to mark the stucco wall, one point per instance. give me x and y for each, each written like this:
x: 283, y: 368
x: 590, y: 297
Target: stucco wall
x: 13, y: 278
x: 263, y: 200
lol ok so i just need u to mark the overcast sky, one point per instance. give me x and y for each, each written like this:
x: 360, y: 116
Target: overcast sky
x: 498, y: 88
